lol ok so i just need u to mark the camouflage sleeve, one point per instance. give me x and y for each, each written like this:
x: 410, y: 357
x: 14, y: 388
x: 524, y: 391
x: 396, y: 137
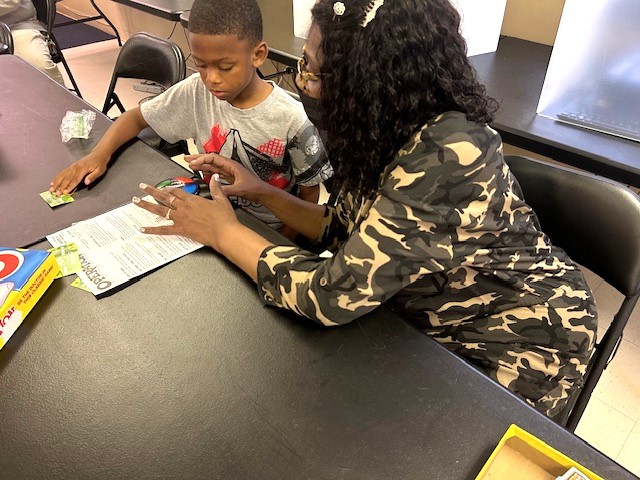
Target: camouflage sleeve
x: 334, y: 229
x: 398, y: 240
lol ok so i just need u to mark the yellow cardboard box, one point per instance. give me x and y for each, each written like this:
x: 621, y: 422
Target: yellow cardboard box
x: 519, y: 451
x: 24, y: 277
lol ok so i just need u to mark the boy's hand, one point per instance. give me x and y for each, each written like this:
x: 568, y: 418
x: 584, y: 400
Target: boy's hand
x: 90, y: 168
x: 241, y: 182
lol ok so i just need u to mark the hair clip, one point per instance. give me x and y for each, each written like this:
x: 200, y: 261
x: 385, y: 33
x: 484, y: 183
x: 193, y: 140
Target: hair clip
x: 338, y: 9
x: 370, y: 12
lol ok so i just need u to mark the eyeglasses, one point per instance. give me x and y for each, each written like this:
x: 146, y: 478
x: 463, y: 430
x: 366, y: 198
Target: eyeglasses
x: 305, y: 74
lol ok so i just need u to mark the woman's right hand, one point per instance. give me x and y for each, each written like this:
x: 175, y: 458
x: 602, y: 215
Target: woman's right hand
x: 302, y: 216
x: 89, y: 168
x: 241, y: 182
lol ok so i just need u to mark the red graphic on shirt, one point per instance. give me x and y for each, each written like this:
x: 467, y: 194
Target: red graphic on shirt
x: 278, y: 180
x: 216, y: 140
x: 275, y: 148
x: 262, y: 160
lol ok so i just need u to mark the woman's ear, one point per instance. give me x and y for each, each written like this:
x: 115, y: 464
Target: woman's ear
x: 260, y: 53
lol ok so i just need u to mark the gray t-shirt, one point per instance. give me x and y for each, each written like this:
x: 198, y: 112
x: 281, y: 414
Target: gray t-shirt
x: 274, y: 139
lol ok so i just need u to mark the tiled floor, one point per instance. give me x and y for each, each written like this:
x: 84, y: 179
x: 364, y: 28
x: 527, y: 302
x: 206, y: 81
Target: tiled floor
x: 611, y: 422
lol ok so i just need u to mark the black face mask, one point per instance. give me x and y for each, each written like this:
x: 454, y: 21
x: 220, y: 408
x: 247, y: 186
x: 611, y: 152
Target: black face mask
x: 311, y: 106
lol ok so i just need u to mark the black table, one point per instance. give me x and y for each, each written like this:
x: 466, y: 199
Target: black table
x: 514, y: 75
x: 277, y: 20
x: 167, y: 9
x: 185, y: 374
x: 31, y: 153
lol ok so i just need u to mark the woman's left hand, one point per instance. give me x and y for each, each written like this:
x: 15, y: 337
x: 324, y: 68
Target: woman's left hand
x: 194, y: 217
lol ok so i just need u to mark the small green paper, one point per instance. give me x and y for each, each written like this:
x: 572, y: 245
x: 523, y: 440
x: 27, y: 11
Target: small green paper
x: 54, y: 201
x: 67, y: 258
x: 79, y: 284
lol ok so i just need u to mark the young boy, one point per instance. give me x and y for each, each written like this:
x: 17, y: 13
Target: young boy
x: 227, y: 109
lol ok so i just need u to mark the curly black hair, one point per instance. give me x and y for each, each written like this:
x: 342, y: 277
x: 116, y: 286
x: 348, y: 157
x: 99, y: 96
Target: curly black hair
x: 218, y: 17
x: 388, y: 79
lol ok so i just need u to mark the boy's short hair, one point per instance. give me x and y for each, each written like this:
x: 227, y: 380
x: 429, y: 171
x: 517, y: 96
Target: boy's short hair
x: 223, y: 17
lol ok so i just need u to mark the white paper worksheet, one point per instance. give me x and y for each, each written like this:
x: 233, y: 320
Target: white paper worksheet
x: 113, y: 250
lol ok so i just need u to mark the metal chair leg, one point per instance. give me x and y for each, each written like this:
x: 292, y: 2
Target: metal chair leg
x: 113, y: 27
x: 66, y: 67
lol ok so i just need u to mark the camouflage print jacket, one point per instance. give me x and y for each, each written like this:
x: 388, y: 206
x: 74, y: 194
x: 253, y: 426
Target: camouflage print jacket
x: 447, y: 243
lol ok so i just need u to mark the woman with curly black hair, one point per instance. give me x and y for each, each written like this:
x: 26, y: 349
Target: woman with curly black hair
x: 429, y: 221
x: 386, y: 80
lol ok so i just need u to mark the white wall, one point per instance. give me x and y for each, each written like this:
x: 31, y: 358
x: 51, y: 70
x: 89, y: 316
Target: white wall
x: 534, y: 20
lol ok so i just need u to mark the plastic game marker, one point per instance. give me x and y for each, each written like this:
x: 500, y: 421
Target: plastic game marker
x: 189, y: 185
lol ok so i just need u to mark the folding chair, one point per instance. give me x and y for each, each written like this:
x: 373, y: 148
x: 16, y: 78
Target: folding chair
x: 46, y: 14
x: 597, y: 222
x: 147, y: 57
x: 6, y: 39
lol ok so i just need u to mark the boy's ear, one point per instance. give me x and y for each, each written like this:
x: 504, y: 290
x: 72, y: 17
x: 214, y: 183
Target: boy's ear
x: 260, y: 53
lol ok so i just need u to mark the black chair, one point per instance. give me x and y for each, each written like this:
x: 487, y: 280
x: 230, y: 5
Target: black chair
x: 6, y: 39
x: 153, y: 59
x: 597, y: 222
x: 46, y: 14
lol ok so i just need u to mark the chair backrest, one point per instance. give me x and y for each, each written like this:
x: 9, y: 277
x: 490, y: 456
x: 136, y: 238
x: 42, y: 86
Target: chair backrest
x: 597, y: 222
x: 594, y: 219
x: 6, y: 39
x: 46, y: 13
x: 147, y: 57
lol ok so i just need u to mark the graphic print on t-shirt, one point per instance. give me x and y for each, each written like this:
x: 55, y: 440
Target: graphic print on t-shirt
x: 216, y: 140
x: 262, y: 164
x: 269, y: 162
